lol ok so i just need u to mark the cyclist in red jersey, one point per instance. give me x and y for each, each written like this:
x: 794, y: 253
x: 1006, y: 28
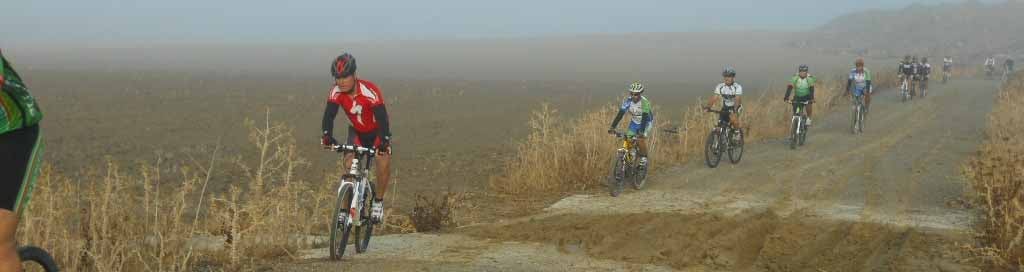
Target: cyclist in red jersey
x: 363, y: 103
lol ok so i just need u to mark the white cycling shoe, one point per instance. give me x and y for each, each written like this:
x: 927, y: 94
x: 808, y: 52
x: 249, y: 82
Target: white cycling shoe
x: 377, y: 211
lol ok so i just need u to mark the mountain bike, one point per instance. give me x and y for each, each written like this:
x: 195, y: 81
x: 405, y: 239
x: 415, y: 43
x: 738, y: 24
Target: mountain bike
x: 859, y: 114
x: 723, y: 138
x: 905, y: 89
x: 798, y: 133
x: 351, y: 214
x: 922, y: 87
x: 626, y: 165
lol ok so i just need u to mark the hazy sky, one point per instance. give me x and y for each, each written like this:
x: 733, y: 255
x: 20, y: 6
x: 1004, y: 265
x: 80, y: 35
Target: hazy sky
x: 103, y: 22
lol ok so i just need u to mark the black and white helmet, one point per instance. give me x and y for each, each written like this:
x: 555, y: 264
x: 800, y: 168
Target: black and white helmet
x: 636, y: 87
x: 729, y: 72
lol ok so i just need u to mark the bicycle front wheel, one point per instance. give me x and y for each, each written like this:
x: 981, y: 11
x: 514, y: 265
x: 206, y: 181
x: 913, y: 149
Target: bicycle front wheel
x: 340, y: 228
x: 33, y: 255
x: 736, y: 148
x: 365, y: 230
x: 616, y: 180
x: 712, y: 153
x: 640, y: 174
x: 794, y: 133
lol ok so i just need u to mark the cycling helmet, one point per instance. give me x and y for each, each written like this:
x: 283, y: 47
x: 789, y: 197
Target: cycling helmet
x: 859, y: 62
x: 803, y: 68
x: 729, y: 72
x: 343, y: 66
x: 924, y: 59
x: 636, y: 87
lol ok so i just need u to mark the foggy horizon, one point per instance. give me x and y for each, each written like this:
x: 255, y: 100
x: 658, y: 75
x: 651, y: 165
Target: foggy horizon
x: 116, y: 23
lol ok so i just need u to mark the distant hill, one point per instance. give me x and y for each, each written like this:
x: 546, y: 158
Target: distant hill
x: 969, y: 30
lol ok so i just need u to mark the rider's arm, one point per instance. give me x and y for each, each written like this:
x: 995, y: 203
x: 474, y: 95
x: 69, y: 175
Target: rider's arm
x: 789, y: 89
x: 812, y: 92
x: 712, y: 101
x: 328, y: 123
x: 381, y: 113
x: 618, y: 117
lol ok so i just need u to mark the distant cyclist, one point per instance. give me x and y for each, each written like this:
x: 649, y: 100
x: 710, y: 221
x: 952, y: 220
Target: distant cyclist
x: 859, y: 83
x: 803, y: 84
x: 990, y: 66
x: 363, y: 103
x: 923, y: 74
x: 641, y: 118
x: 730, y: 94
x: 20, y: 156
x: 906, y: 69
x: 947, y: 64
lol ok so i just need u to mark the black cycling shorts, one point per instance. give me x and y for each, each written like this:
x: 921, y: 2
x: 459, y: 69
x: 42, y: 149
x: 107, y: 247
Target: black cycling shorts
x: 724, y: 116
x: 18, y: 164
x: 368, y: 140
x: 800, y: 99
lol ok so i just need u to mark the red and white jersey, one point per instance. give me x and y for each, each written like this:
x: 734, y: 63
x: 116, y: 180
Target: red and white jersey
x: 360, y: 108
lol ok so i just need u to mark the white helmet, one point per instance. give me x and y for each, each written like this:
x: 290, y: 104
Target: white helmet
x: 636, y: 87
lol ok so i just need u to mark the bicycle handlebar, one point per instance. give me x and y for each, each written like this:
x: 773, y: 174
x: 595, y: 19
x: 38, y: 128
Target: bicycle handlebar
x: 353, y: 149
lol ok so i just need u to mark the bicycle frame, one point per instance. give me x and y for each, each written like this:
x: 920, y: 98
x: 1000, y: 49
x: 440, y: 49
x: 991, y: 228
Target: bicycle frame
x: 358, y: 171
x: 799, y: 115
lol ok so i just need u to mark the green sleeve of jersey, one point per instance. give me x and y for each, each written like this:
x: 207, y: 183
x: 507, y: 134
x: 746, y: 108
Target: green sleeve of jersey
x: 792, y: 80
x: 867, y: 74
x: 811, y: 80
x: 646, y: 105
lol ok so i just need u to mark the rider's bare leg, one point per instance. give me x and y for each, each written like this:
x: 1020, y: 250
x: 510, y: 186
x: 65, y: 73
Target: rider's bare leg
x: 383, y: 174
x: 8, y: 252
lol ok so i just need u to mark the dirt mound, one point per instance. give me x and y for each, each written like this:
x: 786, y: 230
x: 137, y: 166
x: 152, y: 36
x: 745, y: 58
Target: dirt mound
x: 755, y: 240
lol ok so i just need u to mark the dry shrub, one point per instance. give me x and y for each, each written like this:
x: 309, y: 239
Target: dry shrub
x: 562, y: 155
x: 435, y: 213
x: 996, y: 174
x: 163, y: 218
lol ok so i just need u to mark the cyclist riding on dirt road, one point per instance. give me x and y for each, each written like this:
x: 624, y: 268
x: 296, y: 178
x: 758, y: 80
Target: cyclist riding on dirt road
x: 990, y: 66
x: 729, y: 92
x: 859, y: 83
x: 369, y: 124
x: 906, y: 69
x: 803, y: 83
x: 641, y: 118
x: 21, y: 150
x: 924, y: 72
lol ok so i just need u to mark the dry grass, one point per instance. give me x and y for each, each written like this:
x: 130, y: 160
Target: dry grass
x: 163, y: 218
x: 561, y: 155
x: 436, y: 213
x: 997, y: 177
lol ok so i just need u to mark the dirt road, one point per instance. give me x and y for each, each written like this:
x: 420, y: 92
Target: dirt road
x: 886, y: 200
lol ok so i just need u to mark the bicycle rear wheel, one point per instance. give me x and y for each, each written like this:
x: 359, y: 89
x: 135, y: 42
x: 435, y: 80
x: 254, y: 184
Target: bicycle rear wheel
x: 42, y: 259
x: 712, y: 153
x: 640, y: 175
x: 340, y: 230
x: 364, y: 231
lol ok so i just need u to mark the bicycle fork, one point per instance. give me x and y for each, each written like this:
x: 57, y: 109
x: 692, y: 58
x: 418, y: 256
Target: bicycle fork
x: 355, y: 205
